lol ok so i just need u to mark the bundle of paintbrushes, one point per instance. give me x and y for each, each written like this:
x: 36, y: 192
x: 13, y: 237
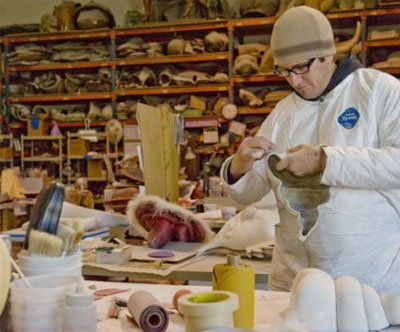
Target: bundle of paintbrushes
x: 65, y: 242
x: 46, y: 236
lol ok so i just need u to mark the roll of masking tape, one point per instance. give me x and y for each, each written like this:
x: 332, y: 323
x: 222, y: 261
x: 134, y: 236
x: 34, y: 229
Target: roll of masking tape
x: 208, y: 310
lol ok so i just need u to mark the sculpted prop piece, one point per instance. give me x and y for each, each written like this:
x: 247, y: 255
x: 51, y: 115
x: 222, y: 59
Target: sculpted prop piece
x: 320, y: 303
x: 159, y: 221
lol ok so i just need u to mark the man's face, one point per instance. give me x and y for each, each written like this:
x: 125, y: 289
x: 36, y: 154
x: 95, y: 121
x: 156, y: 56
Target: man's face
x: 309, y: 79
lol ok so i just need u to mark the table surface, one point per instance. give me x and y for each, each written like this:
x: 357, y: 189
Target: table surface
x: 267, y: 314
x: 200, y: 270
x: 268, y: 305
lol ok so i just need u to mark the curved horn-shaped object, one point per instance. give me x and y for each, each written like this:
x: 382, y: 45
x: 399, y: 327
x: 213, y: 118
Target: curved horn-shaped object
x: 165, y: 77
x: 145, y: 77
x: 345, y: 46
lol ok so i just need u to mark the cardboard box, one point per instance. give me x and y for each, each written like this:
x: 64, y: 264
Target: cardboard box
x: 197, y: 103
x: 78, y: 147
x: 94, y: 168
x: 6, y: 153
x: 37, y: 126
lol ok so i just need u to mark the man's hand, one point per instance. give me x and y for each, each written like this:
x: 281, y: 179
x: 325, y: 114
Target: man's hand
x: 251, y: 149
x: 303, y: 160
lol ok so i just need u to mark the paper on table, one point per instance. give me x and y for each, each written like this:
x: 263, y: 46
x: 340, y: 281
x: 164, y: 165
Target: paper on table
x: 181, y: 251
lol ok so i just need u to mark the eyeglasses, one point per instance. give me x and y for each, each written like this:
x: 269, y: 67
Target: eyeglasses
x: 299, y: 69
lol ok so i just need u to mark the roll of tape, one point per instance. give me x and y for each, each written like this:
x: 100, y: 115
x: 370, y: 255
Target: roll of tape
x: 208, y: 310
x: 148, y: 312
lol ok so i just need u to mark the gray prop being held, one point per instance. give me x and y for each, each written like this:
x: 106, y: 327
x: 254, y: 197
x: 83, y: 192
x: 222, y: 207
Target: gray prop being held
x: 301, y: 195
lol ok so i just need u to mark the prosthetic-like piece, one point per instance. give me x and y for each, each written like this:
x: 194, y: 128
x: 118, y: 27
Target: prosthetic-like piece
x: 301, y: 195
x: 373, y: 308
x: 349, y: 305
x: 247, y: 228
x: 160, y: 221
x: 312, y: 300
x: 321, y: 304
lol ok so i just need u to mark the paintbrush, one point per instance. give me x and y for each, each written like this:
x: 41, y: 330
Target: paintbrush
x: 75, y: 248
x: 45, y: 244
x: 67, y: 234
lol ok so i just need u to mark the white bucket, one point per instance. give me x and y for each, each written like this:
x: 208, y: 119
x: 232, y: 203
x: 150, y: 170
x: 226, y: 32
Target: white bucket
x: 40, y: 308
x: 37, y: 265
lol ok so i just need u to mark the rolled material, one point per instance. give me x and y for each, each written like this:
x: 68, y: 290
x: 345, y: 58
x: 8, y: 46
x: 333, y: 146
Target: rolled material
x: 239, y: 279
x: 148, y: 312
x: 208, y: 310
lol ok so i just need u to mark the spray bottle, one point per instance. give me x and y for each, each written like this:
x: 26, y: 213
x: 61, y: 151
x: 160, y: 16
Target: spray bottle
x: 238, y: 278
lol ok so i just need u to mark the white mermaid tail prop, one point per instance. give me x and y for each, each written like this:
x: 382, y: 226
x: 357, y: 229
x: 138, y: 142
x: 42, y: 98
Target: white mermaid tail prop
x: 249, y: 227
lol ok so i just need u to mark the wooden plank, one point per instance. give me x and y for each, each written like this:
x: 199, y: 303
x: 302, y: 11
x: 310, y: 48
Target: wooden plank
x: 160, y: 154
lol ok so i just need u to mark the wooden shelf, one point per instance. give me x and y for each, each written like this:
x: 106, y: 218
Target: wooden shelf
x: 172, y: 90
x: 60, y: 66
x: 257, y: 79
x: 41, y: 138
x: 57, y: 36
x: 252, y: 111
x: 382, y: 43
x: 172, y: 59
x: 54, y: 159
x: 61, y: 97
x: 172, y: 27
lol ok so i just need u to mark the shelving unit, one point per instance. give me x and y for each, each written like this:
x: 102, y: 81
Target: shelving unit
x: 79, y: 149
x: 6, y: 151
x: 30, y: 156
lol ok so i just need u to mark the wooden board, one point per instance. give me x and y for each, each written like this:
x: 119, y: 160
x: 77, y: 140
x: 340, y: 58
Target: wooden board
x: 160, y: 153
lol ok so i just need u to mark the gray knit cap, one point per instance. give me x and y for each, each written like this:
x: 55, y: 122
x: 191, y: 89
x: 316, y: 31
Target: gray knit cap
x: 300, y: 34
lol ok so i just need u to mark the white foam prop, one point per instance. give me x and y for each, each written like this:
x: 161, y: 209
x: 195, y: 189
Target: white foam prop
x: 249, y: 227
x: 103, y: 218
x: 320, y: 303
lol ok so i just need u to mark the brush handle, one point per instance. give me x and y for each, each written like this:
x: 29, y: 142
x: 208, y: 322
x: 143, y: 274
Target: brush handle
x: 22, y: 275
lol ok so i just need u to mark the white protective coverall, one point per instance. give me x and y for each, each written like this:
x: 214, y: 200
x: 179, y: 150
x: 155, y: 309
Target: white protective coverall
x: 357, y: 232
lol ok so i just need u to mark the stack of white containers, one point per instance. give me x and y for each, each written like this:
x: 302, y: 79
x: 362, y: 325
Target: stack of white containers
x: 32, y: 265
x: 40, y: 308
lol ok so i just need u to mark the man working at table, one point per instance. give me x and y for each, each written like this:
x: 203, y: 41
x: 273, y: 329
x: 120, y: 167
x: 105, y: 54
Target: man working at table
x: 342, y: 122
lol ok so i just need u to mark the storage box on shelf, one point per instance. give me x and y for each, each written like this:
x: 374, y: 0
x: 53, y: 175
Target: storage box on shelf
x: 85, y: 155
x: 6, y: 151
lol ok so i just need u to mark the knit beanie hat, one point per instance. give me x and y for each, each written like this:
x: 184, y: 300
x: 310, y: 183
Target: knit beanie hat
x: 300, y: 34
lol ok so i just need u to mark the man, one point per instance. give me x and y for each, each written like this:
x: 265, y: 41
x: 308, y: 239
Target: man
x: 342, y: 122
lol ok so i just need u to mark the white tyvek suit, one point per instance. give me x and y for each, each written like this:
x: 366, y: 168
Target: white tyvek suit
x: 357, y: 232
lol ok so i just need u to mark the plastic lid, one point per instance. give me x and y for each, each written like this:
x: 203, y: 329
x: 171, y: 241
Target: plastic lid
x: 233, y: 259
x: 79, y: 299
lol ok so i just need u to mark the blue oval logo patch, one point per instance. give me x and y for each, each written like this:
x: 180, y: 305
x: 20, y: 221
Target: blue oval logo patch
x: 349, y: 118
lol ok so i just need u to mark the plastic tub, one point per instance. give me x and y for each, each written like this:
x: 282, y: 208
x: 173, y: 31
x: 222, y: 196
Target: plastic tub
x: 40, y: 308
x: 35, y: 262
x: 45, y: 289
x: 74, y: 271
